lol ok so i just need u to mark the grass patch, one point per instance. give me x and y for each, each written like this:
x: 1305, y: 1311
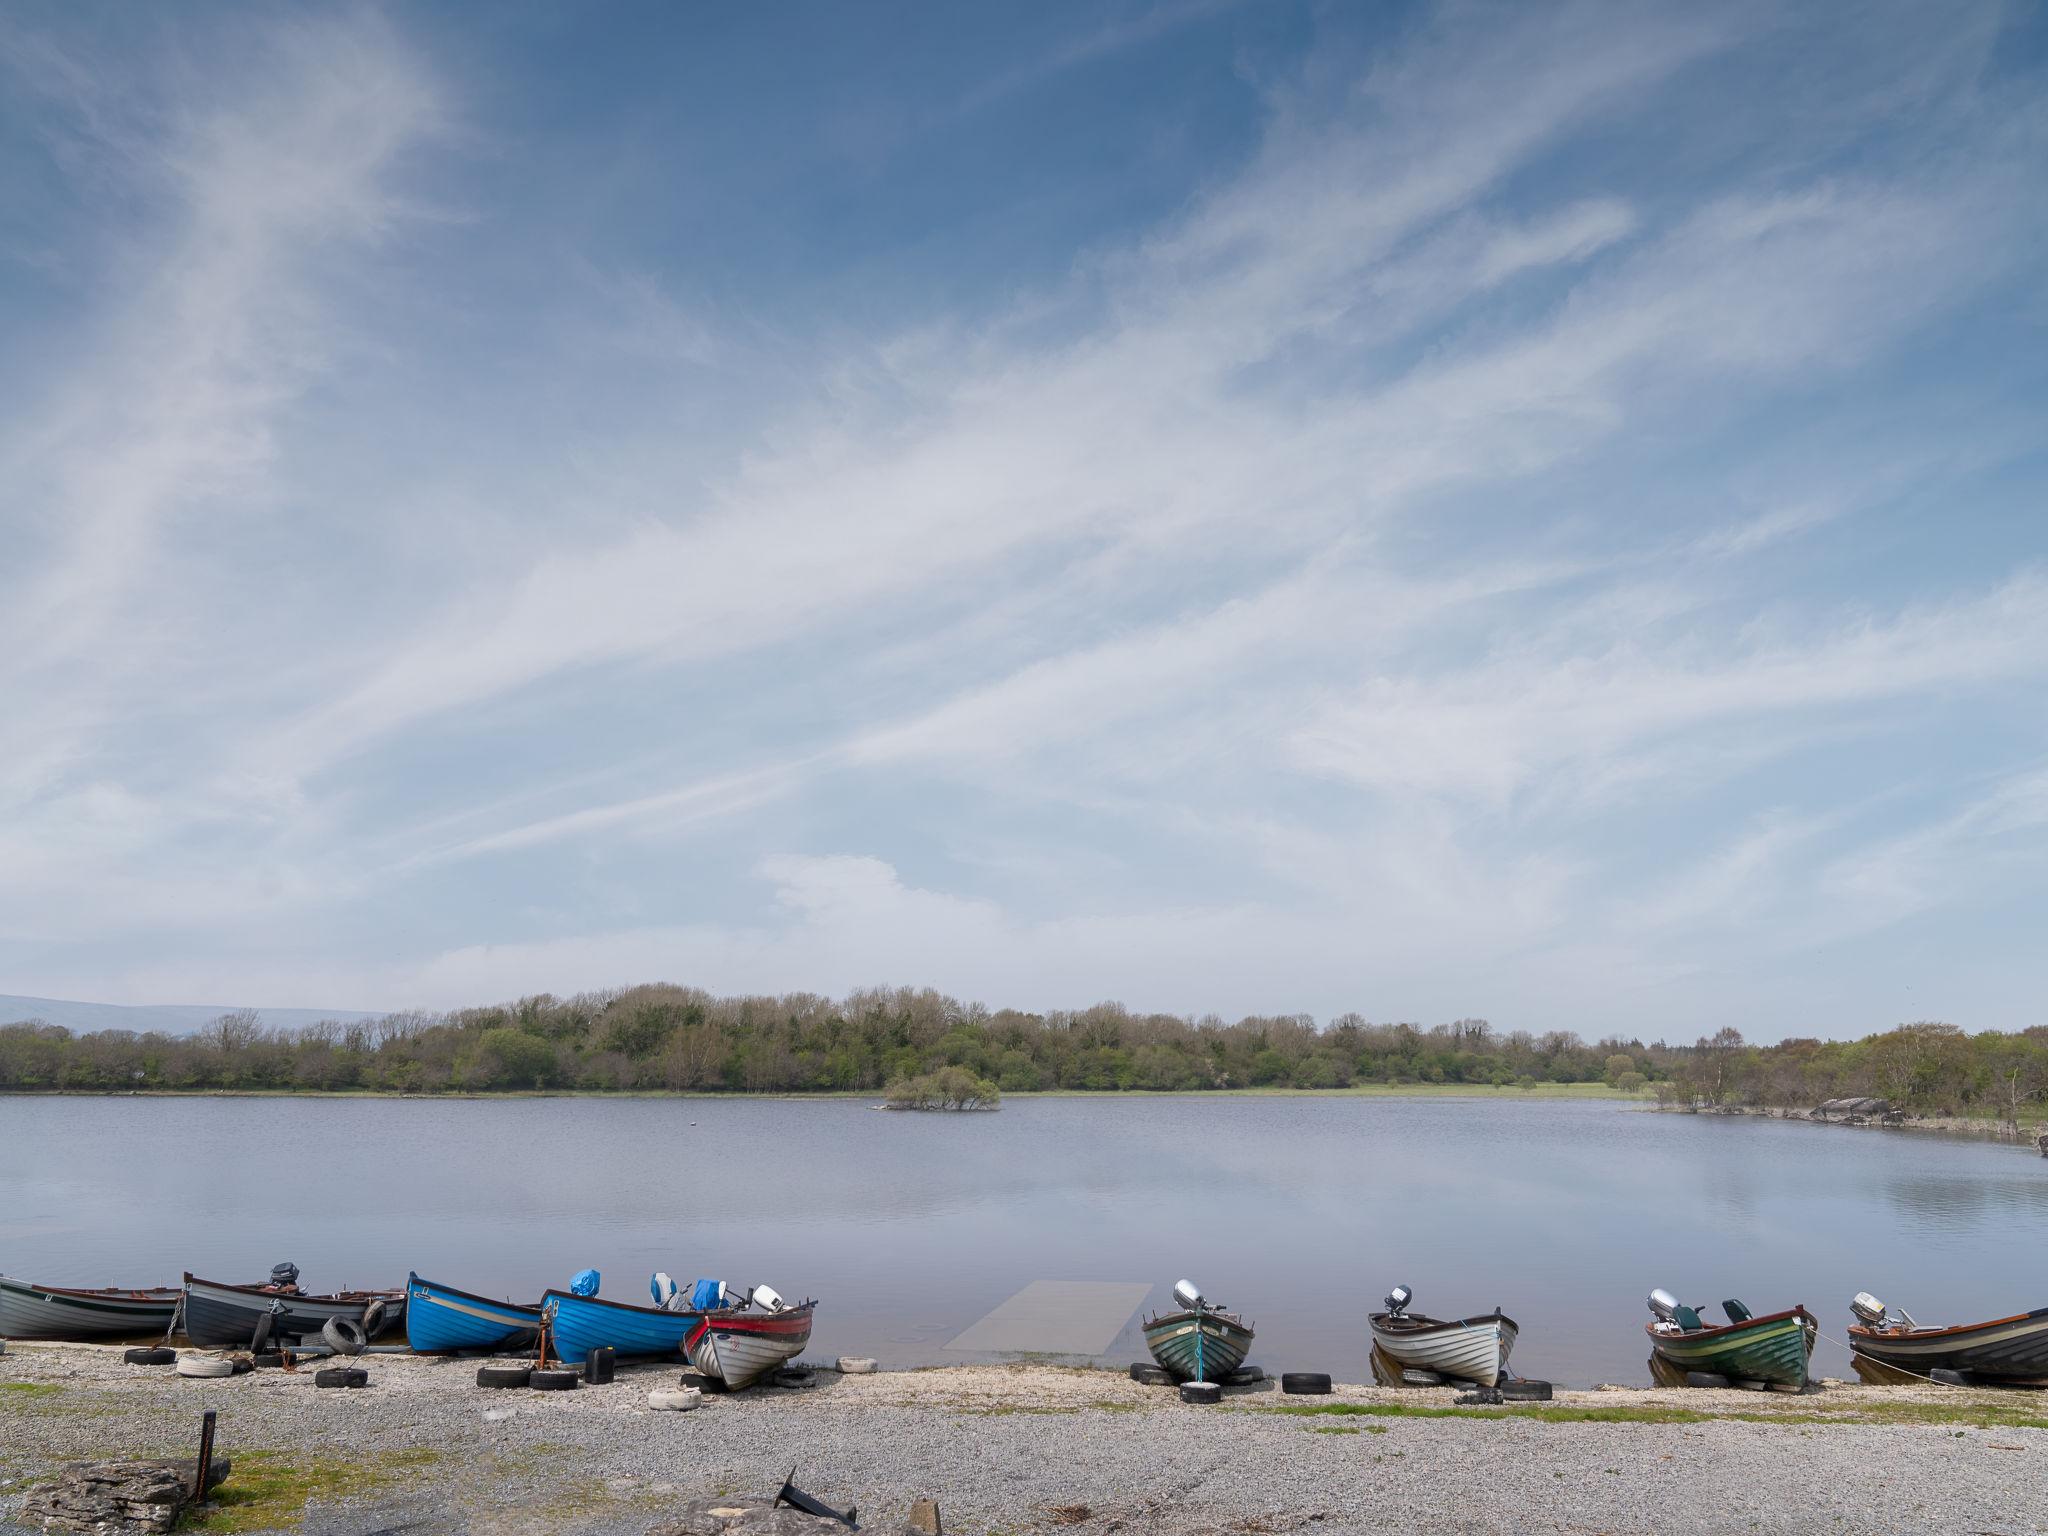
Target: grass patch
x: 27, y: 1391
x: 268, y: 1489
x: 1970, y: 1415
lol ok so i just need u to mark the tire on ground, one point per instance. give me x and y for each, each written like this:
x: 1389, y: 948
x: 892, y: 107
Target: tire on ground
x: 373, y: 1320
x: 1706, y: 1379
x: 1150, y: 1375
x: 151, y: 1357
x: 1304, y: 1383
x: 205, y: 1366
x: 1244, y: 1376
x: 674, y: 1399
x: 1524, y: 1391
x: 343, y: 1336
x: 855, y: 1365
x: 554, y: 1381
x: 503, y: 1375
x: 1200, y: 1392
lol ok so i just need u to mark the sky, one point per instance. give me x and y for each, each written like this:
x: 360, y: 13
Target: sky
x: 1435, y: 511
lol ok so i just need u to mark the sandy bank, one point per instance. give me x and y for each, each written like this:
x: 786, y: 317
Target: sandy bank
x: 1028, y: 1448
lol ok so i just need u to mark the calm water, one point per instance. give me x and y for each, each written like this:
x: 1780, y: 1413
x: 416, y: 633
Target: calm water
x: 1300, y: 1212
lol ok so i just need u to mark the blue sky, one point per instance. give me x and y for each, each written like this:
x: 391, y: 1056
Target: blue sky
x: 1523, y: 511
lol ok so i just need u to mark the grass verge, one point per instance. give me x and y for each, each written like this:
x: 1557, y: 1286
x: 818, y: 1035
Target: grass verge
x: 267, y: 1490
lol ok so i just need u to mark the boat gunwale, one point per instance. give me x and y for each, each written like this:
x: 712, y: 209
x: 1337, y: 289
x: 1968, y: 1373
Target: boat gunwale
x: 1858, y: 1331
x: 1425, y: 1325
x: 266, y: 1293
x: 1188, y: 1314
x: 1722, y: 1330
x: 435, y: 1287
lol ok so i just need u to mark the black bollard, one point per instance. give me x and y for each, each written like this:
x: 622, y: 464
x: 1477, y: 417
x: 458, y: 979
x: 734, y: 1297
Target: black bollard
x: 205, y: 1458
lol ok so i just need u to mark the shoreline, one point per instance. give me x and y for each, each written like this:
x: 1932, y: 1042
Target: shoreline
x: 1587, y: 1093
x: 1026, y: 1448
x: 1954, y: 1127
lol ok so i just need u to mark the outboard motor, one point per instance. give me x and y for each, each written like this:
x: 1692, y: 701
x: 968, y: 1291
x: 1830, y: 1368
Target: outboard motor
x: 1869, y: 1309
x: 284, y: 1276
x: 664, y: 1290
x: 1398, y: 1299
x: 1185, y: 1293
x: 768, y: 1300
x: 1664, y: 1305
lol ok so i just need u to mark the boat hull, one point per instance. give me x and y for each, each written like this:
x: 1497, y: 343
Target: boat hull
x: 439, y: 1319
x: 221, y: 1316
x: 2006, y: 1349
x: 739, y: 1348
x: 1198, y: 1347
x: 1774, y: 1348
x: 1474, y: 1349
x: 60, y: 1312
x: 579, y: 1324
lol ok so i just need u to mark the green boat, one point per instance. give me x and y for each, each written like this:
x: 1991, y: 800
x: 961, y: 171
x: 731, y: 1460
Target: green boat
x: 1201, y: 1341
x: 1774, y: 1348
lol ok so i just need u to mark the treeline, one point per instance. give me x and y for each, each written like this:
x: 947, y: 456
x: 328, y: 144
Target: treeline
x: 656, y: 1038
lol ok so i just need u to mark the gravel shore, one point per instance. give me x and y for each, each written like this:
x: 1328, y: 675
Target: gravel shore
x: 1011, y: 1449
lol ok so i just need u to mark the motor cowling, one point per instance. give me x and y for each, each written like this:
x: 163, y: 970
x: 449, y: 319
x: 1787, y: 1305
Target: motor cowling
x: 1398, y: 1299
x: 768, y: 1300
x: 284, y: 1275
x: 1869, y: 1309
x: 1186, y: 1293
x: 1664, y: 1305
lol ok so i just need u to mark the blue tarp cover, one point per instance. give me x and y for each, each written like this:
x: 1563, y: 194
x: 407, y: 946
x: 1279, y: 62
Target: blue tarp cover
x: 585, y: 1283
x: 705, y: 1295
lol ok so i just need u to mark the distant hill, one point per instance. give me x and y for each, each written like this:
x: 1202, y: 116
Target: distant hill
x: 164, y: 1018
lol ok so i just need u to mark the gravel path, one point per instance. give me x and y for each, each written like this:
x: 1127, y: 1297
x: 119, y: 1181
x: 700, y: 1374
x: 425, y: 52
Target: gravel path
x: 1017, y: 1449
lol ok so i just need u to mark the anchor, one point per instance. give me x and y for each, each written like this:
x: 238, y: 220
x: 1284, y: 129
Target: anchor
x: 796, y: 1498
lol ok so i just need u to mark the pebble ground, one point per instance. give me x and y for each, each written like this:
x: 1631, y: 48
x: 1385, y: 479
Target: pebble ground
x: 1009, y: 1450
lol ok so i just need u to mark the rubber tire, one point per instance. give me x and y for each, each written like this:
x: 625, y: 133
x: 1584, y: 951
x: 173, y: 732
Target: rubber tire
x: 373, y: 1320
x: 1244, y: 1376
x: 205, y: 1367
x: 341, y: 1376
x: 1304, y: 1383
x: 1150, y: 1375
x: 674, y: 1399
x: 1411, y: 1376
x: 856, y: 1365
x: 243, y: 1363
x: 1707, y: 1379
x: 554, y: 1381
x: 794, y: 1378
x: 261, y: 1335
x: 1522, y: 1390
x: 269, y: 1357
x: 1200, y: 1392
x: 343, y: 1336
x: 1480, y: 1397
x: 503, y: 1375
x: 1949, y: 1378
x: 1748, y: 1385
x: 151, y: 1357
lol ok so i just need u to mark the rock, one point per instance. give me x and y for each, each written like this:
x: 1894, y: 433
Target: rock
x: 118, y: 1498
x: 745, y: 1515
x: 861, y: 1365
x: 924, y: 1518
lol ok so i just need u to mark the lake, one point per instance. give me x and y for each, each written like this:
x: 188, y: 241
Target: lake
x: 1299, y: 1212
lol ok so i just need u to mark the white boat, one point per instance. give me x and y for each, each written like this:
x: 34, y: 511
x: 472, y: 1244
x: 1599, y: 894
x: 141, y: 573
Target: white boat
x: 1474, y: 1349
x: 740, y: 1345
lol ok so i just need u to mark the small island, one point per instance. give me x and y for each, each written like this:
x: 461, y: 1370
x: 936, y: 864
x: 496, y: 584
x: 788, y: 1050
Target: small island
x: 949, y: 1088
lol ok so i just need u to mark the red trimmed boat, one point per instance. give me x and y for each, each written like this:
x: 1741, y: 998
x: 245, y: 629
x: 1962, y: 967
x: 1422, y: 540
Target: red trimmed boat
x: 740, y: 1345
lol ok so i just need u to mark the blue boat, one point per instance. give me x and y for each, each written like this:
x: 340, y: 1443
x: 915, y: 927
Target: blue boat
x: 442, y: 1320
x: 579, y: 1324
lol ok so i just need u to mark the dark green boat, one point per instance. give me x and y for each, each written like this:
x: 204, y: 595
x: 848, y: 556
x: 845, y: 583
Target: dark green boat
x: 1201, y: 1342
x: 1774, y: 1348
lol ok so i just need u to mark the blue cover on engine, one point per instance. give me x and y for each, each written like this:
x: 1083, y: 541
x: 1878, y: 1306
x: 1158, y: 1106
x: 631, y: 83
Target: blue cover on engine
x: 706, y: 1295
x: 585, y: 1283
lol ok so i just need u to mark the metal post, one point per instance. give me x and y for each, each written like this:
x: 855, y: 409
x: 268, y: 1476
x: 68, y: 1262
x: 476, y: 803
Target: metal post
x: 1199, y: 1373
x: 205, y: 1457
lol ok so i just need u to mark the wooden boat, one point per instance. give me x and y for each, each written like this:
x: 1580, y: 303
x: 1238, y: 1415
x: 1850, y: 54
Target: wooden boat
x: 739, y: 1345
x: 1474, y: 1349
x: 2006, y: 1349
x: 1201, y: 1341
x: 62, y: 1312
x: 219, y: 1316
x: 439, y: 1319
x: 578, y: 1324
x: 1773, y: 1348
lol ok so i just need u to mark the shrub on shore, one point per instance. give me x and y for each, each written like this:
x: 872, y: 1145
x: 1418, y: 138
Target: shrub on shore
x: 947, y: 1088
